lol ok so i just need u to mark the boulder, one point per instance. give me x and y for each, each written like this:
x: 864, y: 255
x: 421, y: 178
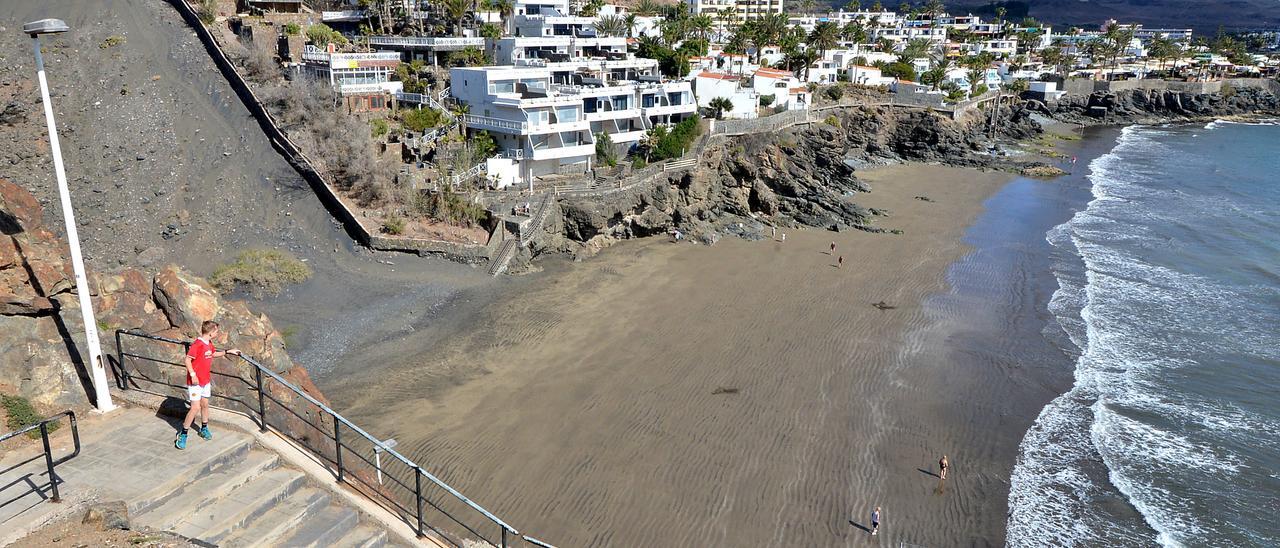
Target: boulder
x: 108, y: 515
x: 186, y: 300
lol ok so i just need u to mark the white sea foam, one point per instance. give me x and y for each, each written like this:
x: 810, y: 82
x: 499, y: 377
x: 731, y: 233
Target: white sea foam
x: 1120, y: 376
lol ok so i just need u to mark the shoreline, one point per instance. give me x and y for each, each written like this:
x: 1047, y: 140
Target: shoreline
x: 752, y: 428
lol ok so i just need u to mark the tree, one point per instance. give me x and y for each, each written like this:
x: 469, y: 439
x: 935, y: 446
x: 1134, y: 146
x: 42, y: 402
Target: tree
x: 853, y: 31
x: 701, y: 26
x: 457, y: 11
x: 321, y: 34
x: 605, y: 152
x: 719, y: 106
x: 904, y: 8
x: 853, y: 5
x: 611, y: 25
x: 935, y: 8
x: 825, y: 35
x: 936, y: 74
x: 1000, y: 13
x: 647, y: 8
x: 490, y: 31
x: 877, y: 7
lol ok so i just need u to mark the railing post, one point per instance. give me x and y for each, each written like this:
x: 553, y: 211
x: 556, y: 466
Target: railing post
x: 337, y: 445
x: 124, y: 373
x: 504, y: 537
x: 262, y: 401
x: 48, y: 461
x: 417, y: 491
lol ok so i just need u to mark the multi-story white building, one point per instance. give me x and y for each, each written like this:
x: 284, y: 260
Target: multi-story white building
x: 558, y: 86
x: 363, y: 80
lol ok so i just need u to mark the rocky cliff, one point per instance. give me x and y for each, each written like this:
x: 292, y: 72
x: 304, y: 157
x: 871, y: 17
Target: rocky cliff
x: 805, y: 175
x: 41, y: 326
x: 1160, y: 106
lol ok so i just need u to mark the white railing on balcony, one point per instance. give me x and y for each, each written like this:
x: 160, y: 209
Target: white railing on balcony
x: 342, y: 16
x: 427, y: 41
x: 486, y: 122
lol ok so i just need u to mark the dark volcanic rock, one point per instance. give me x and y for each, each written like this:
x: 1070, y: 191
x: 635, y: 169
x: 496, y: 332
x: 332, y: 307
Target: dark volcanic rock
x: 1154, y: 106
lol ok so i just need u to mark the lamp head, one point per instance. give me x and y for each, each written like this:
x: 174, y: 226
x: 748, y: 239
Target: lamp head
x: 45, y: 26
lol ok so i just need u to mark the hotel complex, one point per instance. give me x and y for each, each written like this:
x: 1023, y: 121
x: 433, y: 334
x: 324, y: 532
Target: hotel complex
x: 559, y: 86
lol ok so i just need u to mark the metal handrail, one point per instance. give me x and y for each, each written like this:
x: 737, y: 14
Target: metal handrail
x: 506, y: 529
x: 49, y: 463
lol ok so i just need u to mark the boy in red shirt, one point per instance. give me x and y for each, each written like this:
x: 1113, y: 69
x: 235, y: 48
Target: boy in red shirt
x: 199, y: 360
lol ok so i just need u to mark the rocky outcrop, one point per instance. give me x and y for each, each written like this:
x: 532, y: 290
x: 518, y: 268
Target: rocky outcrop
x: 805, y: 175
x: 1160, y: 105
x: 40, y: 325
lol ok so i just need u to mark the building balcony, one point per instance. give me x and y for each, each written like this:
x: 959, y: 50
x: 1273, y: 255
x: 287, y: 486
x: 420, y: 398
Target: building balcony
x: 501, y: 125
x: 612, y: 115
x: 442, y: 43
x: 627, y: 136
x: 662, y: 110
x: 556, y: 153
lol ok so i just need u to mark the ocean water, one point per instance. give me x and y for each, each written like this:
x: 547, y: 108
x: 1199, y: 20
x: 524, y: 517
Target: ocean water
x: 1169, y: 291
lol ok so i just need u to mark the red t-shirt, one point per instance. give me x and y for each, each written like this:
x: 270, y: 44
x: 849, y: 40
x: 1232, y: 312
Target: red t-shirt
x: 201, y: 354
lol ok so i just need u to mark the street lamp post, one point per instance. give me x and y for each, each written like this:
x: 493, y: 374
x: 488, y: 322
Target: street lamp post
x: 97, y: 369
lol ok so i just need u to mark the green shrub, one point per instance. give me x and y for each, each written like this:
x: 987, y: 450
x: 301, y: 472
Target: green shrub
x: 834, y: 93
x: 766, y: 100
x: 605, y: 154
x: 111, y: 41
x: 22, y: 413
x: 380, y: 126
x: 639, y: 162
x: 1227, y: 90
x: 393, y: 225
x: 421, y: 119
x: 208, y: 12
x: 321, y: 35
x: 447, y: 206
x: 260, y: 271
x: 292, y: 29
x: 832, y: 121
x: 672, y: 143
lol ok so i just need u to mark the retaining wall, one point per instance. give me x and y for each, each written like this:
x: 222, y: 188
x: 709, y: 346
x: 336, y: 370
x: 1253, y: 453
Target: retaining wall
x: 1082, y: 86
x: 300, y: 162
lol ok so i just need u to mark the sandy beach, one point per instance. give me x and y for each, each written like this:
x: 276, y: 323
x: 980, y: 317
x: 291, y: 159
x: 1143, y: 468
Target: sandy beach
x: 746, y: 393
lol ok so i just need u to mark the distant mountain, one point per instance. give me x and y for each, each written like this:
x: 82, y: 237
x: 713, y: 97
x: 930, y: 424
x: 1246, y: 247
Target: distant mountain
x: 1202, y: 15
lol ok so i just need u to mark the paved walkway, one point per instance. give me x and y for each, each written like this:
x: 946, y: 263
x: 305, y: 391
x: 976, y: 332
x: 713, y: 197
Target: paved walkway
x: 227, y: 491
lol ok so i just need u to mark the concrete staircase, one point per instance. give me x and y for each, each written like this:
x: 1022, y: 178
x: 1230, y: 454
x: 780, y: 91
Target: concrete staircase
x: 227, y: 492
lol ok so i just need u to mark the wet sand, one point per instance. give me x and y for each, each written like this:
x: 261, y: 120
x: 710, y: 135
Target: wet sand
x: 746, y: 393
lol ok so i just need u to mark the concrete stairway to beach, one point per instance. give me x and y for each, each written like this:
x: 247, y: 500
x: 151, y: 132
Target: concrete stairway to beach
x: 228, y: 491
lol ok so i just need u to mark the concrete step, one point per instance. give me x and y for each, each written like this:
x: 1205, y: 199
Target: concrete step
x: 363, y: 536
x: 226, y: 452
x: 221, y: 518
x: 321, y: 529
x: 204, y: 490
x: 280, y: 520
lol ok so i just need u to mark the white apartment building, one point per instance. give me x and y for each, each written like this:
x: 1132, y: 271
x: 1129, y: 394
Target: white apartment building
x: 363, y: 80
x: 557, y: 86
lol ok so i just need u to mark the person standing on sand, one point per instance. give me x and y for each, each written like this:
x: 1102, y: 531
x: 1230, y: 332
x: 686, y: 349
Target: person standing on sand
x: 942, y: 467
x: 840, y: 262
x: 833, y: 248
x: 199, y: 362
x: 875, y: 521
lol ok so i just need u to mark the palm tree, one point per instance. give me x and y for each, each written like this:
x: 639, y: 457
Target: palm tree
x: 853, y: 5
x: 936, y: 74
x: 701, y: 26
x: 1000, y: 12
x: 630, y: 20
x: 647, y: 8
x: 935, y: 8
x: 460, y: 111
x: 457, y: 10
x: 611, y: 25
x: 719, y: 106
x: 825, y: 35
x: 877, y: 7
x: 854, y: 32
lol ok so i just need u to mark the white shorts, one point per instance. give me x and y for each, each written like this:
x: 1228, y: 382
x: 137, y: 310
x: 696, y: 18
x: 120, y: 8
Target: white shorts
x: 195, y: 392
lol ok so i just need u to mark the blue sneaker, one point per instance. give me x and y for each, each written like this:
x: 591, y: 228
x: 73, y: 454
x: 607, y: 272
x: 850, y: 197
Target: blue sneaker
x: 205, y: 433
x: 181, y: 442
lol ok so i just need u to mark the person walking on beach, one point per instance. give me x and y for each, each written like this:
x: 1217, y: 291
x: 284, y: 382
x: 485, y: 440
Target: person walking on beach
x: 199, y: 361
x: 942, y: 467
x: 875, y: 521
x: 840, y: 262
x: 833, y: 248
